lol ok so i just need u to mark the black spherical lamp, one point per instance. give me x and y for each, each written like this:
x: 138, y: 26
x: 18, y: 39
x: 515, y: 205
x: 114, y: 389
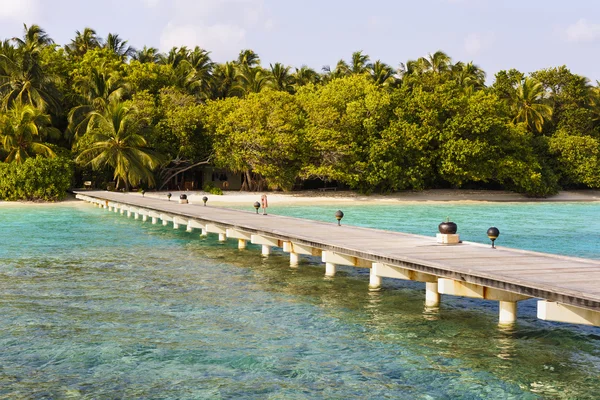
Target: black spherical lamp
x: 493, y: 234
x: 339, y: 215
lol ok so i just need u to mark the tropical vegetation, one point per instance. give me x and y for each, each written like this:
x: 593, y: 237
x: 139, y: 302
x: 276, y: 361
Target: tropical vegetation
x: 140, y: 117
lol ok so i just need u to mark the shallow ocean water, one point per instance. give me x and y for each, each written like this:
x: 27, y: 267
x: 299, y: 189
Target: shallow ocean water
x: 561, y: 228
x: 95, y: 305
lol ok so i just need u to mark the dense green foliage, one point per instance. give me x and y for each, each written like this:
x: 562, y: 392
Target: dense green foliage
x: 36, y: 179
x: 142, y: 117
x: 212, y: 189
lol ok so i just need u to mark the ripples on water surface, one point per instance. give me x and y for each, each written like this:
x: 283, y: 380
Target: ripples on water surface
x: 95, y: 305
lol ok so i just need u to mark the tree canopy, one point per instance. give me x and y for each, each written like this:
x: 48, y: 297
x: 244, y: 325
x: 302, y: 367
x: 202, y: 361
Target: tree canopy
x: 132, y: 115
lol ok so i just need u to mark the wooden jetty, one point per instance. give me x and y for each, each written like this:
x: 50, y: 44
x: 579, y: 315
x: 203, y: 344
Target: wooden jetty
x: 568, y: 287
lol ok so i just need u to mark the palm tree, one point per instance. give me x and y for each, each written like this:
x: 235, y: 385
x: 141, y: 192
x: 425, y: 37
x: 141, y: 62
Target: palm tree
x: 528, y: 104
x: 412, y: 67
x: 115, y: 144
x: 118, y: 46
x: 174, y: 57
x: 22, y: 77
x: 248, y: 58
x: 469, y: 76
x: 360, y: 63
x: 187, y: 80
x: 147, y: 55
x: 34, y: 37
x: 341, y: 69
x: 437, y: 62
x: 193, y: 70
x: 281, y: 78
x: 96, y: 92
x: 201, y: 76
x: 200, y: 60
x: 382, y: 74
x: 224, y: 81
x: 252, y: 80
x: 304, y: 76
x: 22, y: 130
x: 83, y: 42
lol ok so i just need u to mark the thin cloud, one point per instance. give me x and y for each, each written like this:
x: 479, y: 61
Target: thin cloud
x: 582, y: 31
x: 219, y: 26
x: 19, y: 10
x: 221, y: 40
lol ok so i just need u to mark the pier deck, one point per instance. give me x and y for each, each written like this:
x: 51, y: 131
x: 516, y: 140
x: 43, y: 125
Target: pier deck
x: 570, y: 286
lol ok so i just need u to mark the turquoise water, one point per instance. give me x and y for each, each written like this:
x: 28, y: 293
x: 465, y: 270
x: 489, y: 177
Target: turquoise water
x: 561, y: 228
x: 95, y: 305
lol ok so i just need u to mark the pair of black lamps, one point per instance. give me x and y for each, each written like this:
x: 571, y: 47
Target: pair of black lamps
x: 492, y: 233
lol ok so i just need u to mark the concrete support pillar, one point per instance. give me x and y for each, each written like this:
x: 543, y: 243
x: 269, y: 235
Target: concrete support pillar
x: 294, y: 259
x: 266, y: 250
x: 136, y: 215
x: 175, y: 226
x: 374, y: 281
x: 204, y: 232
x: 128, y: 214
x: 115, y: 209
x: 144, y: 218
x: 165, y: 222
x: 109, y: 208
x: 154, y: 220
x: 330, y: 269
x: 432, y: 297
x: 508, y: 312
x: 189, y: 228
x: 222, y: 237
x: 122, y: 211
x: 241, y: 244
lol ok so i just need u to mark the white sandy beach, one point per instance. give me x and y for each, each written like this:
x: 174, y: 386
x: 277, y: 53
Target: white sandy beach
x: 335, y: 197
x: 70, y: 200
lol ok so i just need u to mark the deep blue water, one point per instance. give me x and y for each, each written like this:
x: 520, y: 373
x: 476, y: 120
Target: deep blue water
x: 95, y: 305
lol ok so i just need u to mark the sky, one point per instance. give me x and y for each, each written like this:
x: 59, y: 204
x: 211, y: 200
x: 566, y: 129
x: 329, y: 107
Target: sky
x: 496, y: 34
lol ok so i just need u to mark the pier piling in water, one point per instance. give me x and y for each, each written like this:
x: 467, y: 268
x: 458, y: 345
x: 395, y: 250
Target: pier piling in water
x: 432, y: 296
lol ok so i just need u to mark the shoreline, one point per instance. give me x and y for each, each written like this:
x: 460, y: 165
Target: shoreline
x: 348, y: 197
x: 335, y: 197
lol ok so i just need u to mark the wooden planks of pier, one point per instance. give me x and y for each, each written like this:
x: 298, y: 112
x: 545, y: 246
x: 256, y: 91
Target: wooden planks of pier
x: 569, y: 287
